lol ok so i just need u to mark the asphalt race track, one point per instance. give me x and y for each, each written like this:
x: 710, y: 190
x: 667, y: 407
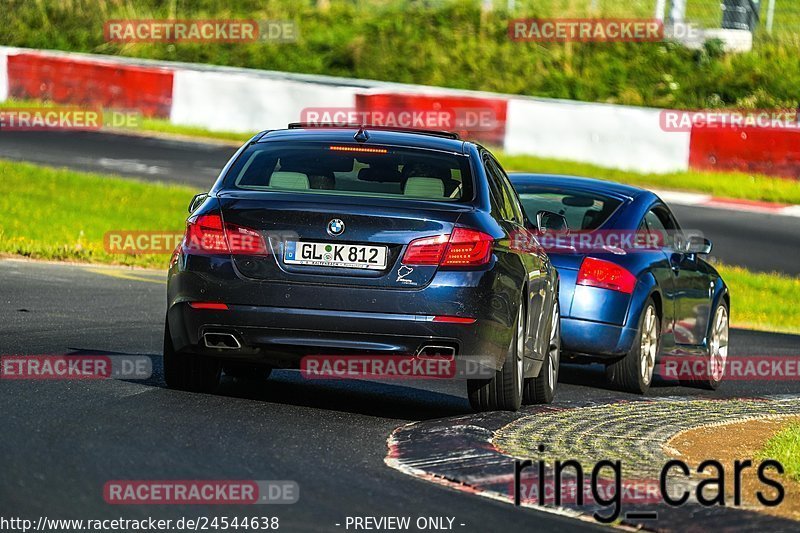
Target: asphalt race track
x: 756, y: 241
x: 61, y: 441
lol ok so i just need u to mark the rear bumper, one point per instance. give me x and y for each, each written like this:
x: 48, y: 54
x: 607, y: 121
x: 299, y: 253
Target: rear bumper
x: 585, y: 337
x: 279, y: 323
x: 281, y: 336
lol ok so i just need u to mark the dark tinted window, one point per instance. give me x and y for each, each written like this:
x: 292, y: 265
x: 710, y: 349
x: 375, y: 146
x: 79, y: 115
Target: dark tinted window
x: 660, y: 218
x: 510, y: 194
x: 654, y: 222
x: 499, y: 194
x: 352, y: 170
x: 583, y: 210
x: 660, y: 221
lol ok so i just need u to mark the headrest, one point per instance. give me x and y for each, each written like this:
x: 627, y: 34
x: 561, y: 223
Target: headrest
x: 424, y: 187
x: 288, y: 180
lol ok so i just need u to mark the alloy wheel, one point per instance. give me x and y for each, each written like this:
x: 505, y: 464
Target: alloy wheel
x: 649, y: 345
x: 718, y: 346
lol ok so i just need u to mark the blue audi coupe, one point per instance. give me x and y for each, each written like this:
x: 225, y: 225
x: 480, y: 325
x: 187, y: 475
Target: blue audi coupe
x: 634, y: 286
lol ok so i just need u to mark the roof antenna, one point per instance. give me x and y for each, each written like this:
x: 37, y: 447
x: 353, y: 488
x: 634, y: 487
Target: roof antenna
x: 361, y: 135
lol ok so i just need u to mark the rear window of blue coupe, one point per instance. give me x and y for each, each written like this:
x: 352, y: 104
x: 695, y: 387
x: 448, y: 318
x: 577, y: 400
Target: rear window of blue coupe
x: 352, y: 170
x: 583, y: 210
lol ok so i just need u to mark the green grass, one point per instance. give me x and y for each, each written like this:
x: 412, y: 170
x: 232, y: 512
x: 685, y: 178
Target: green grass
x: 785, y: 448
x: 158, y: 125
x: 63, y: 215
x: 763, y: 301
x: 724, y: 184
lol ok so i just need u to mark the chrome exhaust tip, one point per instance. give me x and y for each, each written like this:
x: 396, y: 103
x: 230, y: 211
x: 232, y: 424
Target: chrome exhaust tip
x: 431, y: 350
x: 221, y: 341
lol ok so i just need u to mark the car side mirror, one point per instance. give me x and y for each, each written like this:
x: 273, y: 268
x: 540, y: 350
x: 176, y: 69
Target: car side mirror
x: 698, y: 245
x: 549, y: 222
x: 197, y: 200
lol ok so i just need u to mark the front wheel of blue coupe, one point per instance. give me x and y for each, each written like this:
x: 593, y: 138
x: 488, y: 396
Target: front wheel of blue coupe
x: 713, y: 371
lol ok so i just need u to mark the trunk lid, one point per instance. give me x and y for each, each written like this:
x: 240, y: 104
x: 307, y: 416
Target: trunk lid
x: 285, y: 218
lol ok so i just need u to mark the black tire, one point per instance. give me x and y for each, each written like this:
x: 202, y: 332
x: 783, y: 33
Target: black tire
x: 504, y: 391
x: 244, y: 371
x: 628, y: 374
x: 542, y: 388
x: 712, y: 378
x: 188, y: 372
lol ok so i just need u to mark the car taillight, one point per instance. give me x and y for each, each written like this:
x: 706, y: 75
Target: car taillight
x: 467, y: 248
x: 605, y: 275
x: 245, y: 241
x: 462, y: 248
x: 426, y: 251
x: 205, y: 234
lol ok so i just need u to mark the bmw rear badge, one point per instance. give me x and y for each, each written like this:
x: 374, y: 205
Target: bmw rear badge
x: 336, y: 227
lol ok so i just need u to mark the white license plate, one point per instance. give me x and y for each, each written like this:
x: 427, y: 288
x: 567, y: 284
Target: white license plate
x: 335, y: 255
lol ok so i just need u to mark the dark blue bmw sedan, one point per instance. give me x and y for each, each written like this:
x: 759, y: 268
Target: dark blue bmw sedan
x: 348, y: 241
x: 633, y: 285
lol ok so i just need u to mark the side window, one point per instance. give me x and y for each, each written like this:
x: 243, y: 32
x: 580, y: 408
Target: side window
x: 510, y: 194
x: 505, y: 202
x: 653, y: 222
x: 661, y: 222
x: 498, y: 196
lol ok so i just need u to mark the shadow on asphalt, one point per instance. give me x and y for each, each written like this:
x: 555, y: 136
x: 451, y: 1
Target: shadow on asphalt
x: 371, y: 398
x: 593, y: 375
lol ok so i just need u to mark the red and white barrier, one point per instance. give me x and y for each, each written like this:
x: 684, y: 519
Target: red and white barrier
x: 628, y: 138
x: 97, y: 82
x: 233, y: 99
x: 764, y: 150
x: 3, y: 76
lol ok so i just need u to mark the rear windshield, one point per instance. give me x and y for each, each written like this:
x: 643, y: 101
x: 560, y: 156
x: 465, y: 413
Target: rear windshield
x: 583, y: 210
x: 352, y: 170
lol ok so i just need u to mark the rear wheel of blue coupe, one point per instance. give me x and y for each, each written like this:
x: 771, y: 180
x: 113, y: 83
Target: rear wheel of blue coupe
x: 189, y: 372
x: 542, y: 388
x: 634, y: 372
x: 504, y: 391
